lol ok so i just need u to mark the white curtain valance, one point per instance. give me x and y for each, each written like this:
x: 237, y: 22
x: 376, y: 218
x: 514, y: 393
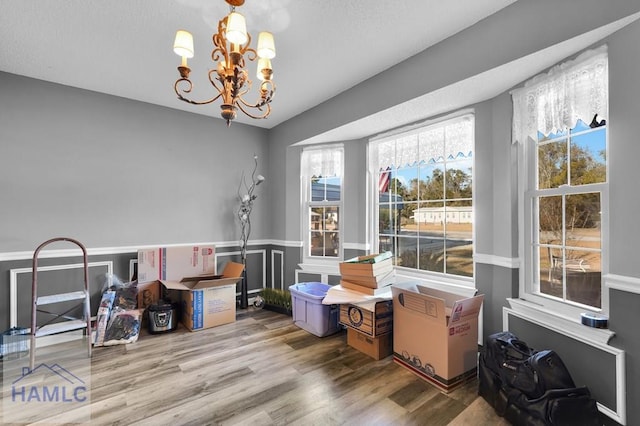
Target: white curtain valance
x: 449, y: 140
x: 324, y: 162
x: 551, y: 102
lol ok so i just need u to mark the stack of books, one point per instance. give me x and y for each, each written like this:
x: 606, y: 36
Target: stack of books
x: 369, y: 275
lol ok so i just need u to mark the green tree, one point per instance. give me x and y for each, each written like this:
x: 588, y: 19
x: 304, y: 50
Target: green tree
x: 581, y: 210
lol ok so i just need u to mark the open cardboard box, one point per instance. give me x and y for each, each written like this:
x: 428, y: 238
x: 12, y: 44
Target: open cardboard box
x: 208, y: 300
x: 435, y: 333
x: 175, y: 262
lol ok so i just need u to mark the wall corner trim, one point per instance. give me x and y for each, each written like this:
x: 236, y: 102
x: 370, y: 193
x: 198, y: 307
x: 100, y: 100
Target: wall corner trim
x: 490, y: 259
x: 597, y: 338
x: 622, y: 283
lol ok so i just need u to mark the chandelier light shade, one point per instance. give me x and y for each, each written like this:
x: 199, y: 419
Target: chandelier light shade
x: 230, y: 77
x: 266, y: 45
x: 236, y: 28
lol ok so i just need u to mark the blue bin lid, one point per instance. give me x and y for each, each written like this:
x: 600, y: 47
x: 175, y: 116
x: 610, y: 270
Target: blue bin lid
x: 312, y: 289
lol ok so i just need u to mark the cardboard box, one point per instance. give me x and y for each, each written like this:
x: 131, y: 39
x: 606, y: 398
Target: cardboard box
x: 148, y: 294
x: 208, y: 301
x: 175, y: 263
x: 376, y: 347
x: 373, y: 318
x: 435, y: 333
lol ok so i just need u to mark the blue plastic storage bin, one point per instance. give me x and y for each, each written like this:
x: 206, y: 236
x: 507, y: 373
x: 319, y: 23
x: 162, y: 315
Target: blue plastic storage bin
x: 308, y: 311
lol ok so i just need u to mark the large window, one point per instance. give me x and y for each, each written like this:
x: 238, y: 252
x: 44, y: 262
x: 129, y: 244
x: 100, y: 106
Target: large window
x: 424, y: 201
x: 560, y: 120
x: 322, y: 178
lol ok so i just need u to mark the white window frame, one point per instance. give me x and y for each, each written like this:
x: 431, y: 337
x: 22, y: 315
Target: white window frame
x: 436, y: 279
x: 306, y: 172
x: 527, y: 191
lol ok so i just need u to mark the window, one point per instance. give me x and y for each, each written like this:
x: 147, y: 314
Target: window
x: 560, y: 117
x: 423, y: 206
x: 322, y: 177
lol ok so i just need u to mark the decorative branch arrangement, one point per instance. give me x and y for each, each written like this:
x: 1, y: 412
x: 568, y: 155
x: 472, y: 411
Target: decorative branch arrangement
x: 246, y: 205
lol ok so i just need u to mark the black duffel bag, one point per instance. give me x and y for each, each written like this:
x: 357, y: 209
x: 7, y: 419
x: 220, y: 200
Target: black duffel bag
x: 529, y: 387
x: 537, y: 374
x: 556, y: 407
x: 503, y: 347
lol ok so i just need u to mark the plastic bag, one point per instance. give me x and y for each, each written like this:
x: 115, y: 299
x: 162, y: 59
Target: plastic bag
x: 126, y: 292
x: 122, y: 322
x: 123, y: 327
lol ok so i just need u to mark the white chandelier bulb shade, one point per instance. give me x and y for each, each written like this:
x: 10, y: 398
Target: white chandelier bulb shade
x: 183, y: 44
x: 236, y: 28
x: 263, y: 63
x: 266, y: 45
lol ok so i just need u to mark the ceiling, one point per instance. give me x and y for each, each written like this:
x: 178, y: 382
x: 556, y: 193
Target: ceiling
x: 124, y: 48
x: 324, y: 47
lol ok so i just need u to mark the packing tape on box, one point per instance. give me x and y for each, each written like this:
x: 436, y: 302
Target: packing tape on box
x: 595, y: 320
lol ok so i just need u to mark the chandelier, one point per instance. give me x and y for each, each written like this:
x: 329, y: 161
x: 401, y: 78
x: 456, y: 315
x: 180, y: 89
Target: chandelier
x: 230, y: 77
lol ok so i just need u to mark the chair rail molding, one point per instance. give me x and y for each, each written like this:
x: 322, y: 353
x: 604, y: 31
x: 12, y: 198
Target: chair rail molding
x: 491, y: 259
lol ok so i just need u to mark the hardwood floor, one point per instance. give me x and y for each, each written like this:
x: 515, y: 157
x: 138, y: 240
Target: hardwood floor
x: 263, y: 370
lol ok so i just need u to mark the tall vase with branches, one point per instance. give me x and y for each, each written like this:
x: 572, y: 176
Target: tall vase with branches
x: 244, y: 215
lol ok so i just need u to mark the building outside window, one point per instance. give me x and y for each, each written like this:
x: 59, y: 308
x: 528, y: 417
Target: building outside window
x: 423, y: 205
x: 322, y: 170
x: 560, y: 124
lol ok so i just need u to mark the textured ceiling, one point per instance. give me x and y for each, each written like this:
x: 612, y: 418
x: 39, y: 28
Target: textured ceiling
x: 324, y: 47
x: 124, y: 48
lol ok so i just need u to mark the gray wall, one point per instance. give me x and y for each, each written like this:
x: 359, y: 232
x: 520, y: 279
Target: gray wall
x: 624, y: 110
x: 114, y: 172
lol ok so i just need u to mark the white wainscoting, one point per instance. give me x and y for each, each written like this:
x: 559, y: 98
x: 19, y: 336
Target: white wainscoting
x: 13, y: 294
x: 262, y: 252
x: 280, y: 265
x: 617, y: 413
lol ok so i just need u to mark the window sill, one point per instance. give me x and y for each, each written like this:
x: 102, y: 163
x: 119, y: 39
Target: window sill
x: 462, y: 286
x: 567, y: 326
x: 329, y: 267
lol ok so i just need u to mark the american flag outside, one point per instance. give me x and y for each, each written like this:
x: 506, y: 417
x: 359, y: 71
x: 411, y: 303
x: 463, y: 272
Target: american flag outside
x: 383, y: 182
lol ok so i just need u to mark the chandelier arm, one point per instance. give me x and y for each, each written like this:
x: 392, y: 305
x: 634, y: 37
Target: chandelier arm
x: 251, y: 53
x: 214, y: 79
x: 188, y: 90
x: 264, y: 115
x: 216, y: 53
x: 267, y: 91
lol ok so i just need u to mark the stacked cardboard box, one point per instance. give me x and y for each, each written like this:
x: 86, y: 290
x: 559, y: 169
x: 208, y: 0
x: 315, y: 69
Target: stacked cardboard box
x: 373, y: 318
x: 170, y: 263
x: 188, y: 276
x: 369, y: 324
x: 175, y: 263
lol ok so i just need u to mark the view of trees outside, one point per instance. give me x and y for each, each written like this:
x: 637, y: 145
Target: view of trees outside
x: 324, y: 216
x: 571, y: 171
x: 426, y: 217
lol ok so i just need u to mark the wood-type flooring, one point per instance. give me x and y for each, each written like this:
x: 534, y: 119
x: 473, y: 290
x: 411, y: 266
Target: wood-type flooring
x: 262, y: 370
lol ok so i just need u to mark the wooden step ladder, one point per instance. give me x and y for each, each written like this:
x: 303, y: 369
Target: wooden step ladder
x: 69, y: 323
